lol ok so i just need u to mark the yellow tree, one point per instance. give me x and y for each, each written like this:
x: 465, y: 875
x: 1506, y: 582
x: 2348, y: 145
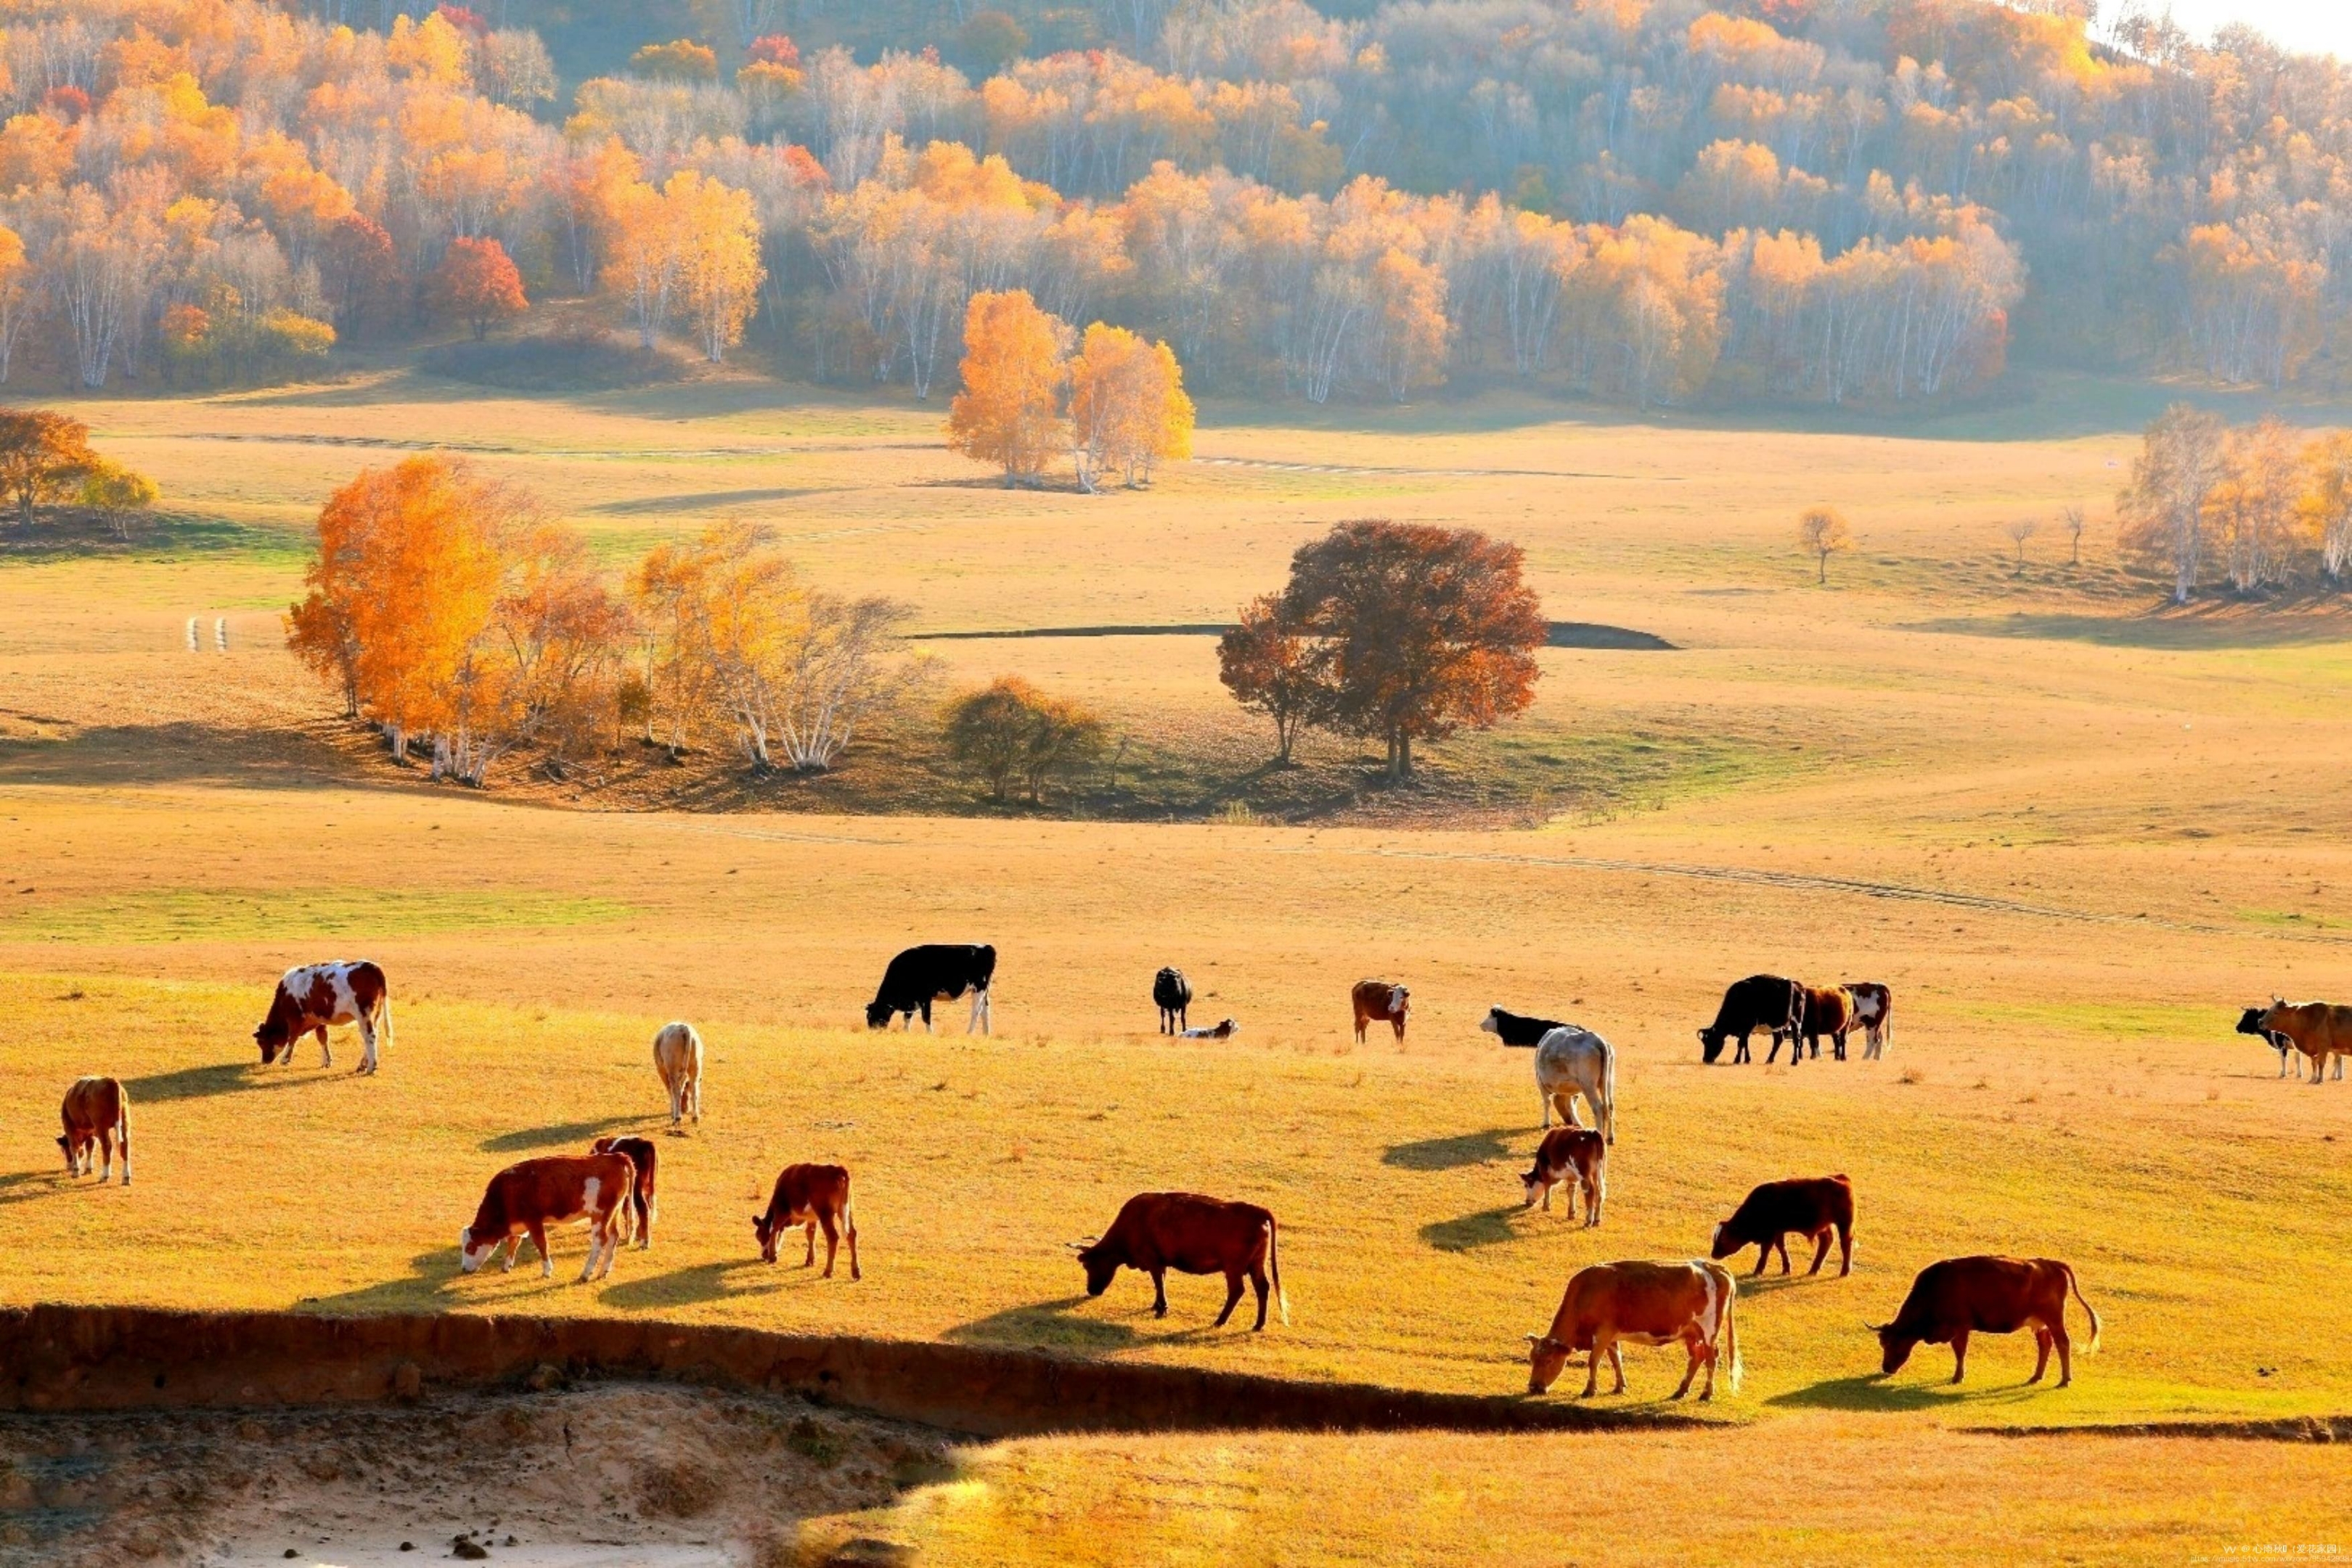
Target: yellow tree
x: 717, y: 232
x: 1010, y: 410
x: 1821, y: 532
x: 2326, y: 504
x: 1128, y: 406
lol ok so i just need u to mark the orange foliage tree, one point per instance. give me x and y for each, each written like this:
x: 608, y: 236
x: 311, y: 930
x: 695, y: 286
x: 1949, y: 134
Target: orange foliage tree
x: 1128, y: 404
x: 1010, y: 410
x: 478, y: 283
x: 1272, y: 667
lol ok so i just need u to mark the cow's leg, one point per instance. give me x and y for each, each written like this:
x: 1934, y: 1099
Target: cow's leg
x: 595, y: 1251
x: 677, y: 1109
x: 1959, y: 1355
x: 832, y: 1242
x: 1601, y: 1347
x: 1546, y: 1096
x: 1840, y: 1040
x: 645, y: 1222
x: 1821, y: 1254
x: 810, y: 1231
x: 367, y: 1042
x: 1257, y: 1283
x: 1160, y: 1292
x: 1617, y: 1365
x: 1706, y: 1391
x: 2065, y: 1348
x: 2041, y: 1352
x: 326, y: 1051
x: 539, y: 1240
x: 1845, y: 1250
x: 1741, y: 1057
x: 1546, y: 1200
x: 1233, y: 1296
x: 514, y: 1250
x: 1595, y: 1190
x: 1690, y: 1369
x: 1781, y: 1241
x: 1763, y: 1257
x: 106, y: 1143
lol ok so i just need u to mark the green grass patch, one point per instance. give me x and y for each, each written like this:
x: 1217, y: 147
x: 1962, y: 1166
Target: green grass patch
x: 188, y: 914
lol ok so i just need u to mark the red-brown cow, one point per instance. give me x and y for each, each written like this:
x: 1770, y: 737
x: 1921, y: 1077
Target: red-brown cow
x: 526, y: 1198
x: 1964, y: 1296
x: 1825, y: 1013
x: 1376, y: 1000
x: 1648, y: 1303
x: 1193, y: 1235
x: 97, y: 1115
x: 1570, y: 1151
x: 640, y: 1153
x: 810, y: 1196
x: 311, y: 998
x: 1812, y: 1206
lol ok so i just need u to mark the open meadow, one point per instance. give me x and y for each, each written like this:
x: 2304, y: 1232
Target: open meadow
x: 2075, y: 836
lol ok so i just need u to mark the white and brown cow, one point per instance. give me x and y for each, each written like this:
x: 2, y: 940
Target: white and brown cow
x: 316, y: 995
x: 1648, y: 1303
x: 97, y: 1115
x: 558, y: 1189
x: 1577, y: 1157
x: 1378, y: 1001
x: 678, y: 1056
x: 1872, y: 1006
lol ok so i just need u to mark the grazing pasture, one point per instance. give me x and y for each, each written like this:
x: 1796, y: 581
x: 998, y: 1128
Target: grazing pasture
x: 2074, y: 836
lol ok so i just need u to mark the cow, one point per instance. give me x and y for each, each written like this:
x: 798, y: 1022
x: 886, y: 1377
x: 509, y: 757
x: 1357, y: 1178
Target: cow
x: 1648, y: 1303
x: 1518, y: 1029
x: 1758, y: 1002
x: 1570, y: 1151
x: 1574, y: 1060
x: 1377, y: 999
x: 811, y: 1196
x: 935, y: 971
x: 2314, y: 1028
x: 315, y: 996
x: 678, y: 1056
x: 1172, y: 995
x: 1812, y: 1206
x: 97, y: 1115
x: 1223, y: 1030
x: 556, y: 1189
x: 1193, y: 1235
x: 1872, y: 1006
x: 2250, y: 1021
x: 1825, y: 1012
x: 640, y: 1153
x: 1962, y: 1295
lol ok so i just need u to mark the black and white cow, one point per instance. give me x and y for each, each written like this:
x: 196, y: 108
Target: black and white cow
x: 935, y: 971
x: 1516, y: 1028
x: 1172, y: 994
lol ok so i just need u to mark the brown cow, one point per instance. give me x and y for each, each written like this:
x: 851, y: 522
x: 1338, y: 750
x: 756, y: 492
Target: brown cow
x: 640, y: 1153
x: 1193, y: 1235
x: 1812, y: 1206
x: 1565, y: 1152
x: 1962, y: 1295
x: 1872, y: 1008
x: 1377, y: 999
x: 96, y: 1113
x: 526, y: 1198
x: 1825, y: 1013
x: 810, y: 1196
x: 2314, y: 1028
x: 1648, y: 1303
x: 311, y: 998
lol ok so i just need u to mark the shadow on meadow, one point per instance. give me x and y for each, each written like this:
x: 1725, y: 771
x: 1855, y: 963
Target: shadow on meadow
x: 1049, y: 1323
x: 1871, y: 1392
x: 225, y: 1077
x: 424, y: 1289
x: 1485, y: 1228
x: 564, y: 1134
x: 1450, y: 1153
x: 2179, y: 633
x: 702, y: 1282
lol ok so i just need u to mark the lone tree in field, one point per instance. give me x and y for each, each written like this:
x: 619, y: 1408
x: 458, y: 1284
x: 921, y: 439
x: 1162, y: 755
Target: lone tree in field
x: 1417, y: 631
x: 1009, y: 730
x: 2018, y: 533
x: 1273, y: 668
x: 44, y: 456
x: 2163, y: 509
x: 478, y: 283
x: 1015, y: 367
x: 1128, y: 406
x: 1824, y: 533
x: 2072, y: 521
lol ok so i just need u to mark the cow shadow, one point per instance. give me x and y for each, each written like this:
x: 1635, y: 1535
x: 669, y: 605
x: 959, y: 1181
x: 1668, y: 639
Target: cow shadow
x: 1767, y: 1284
x: 1450, y: 1154
x: 1051, y: 1324
x: 1484, y: 1228
x: 424, y: 1289
x: 221, y: 1078
x: 30, y: 1186
x: 1873, y: 1391
x: 564, y: 1135
x: 701, y: 1282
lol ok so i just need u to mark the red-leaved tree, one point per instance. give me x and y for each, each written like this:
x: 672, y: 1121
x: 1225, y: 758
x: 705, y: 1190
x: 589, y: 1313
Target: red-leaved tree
x: 478, y: 283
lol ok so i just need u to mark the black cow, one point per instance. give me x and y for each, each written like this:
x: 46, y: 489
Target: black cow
x: 1758, y: 1002
x: 1812, y: 1206
x: 935, y: 971
x: 2250, y: 1021
x: 1516, y: 1028
x: 1173, y: 995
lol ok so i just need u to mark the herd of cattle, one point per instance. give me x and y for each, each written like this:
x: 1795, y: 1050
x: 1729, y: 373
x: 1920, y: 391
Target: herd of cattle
x: 611, y: 1188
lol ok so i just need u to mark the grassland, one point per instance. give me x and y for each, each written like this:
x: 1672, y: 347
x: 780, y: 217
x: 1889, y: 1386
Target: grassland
x: 2075, y: 836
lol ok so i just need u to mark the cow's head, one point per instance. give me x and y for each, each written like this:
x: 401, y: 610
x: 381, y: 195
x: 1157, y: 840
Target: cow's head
x: 1100, y: 1262
x: 1895, y: 1346
x: 2250, y: 1021
x: 471, y: 1255
x: 1397, y: 998
x: 1546, y: 1359
x: 767, y: 1232
x: 66, y: 1143
x: 273, y: 1035
x: 1533, y: 1183
x: 1493, y: 1022
x: 1711, y: 1045
x: 1724, y: 1244
x: 877, y: 1015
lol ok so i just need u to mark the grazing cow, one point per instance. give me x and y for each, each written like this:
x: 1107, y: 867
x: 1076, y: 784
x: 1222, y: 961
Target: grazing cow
x: 1648, y: 1303
x: 311, y: 998
x: 1376, y: 999
x: 935, y: 971
x: 1962, y: 1295
x: 1574, y: 1060
x: 1812, y: 1206
x: 678, y: 1056
x: 1223, y: 1030
x: 1566, y: 1152
x: 1193, y: 1235
x: 1872, y: 1005
x: 1516, y: 1028
x: 1825, y: 1012
x: 2314, y: 1028
x: 1172, y: 995
x: 1758, y: 1002
x: 2250, y: 1021
x: 640, y: 1153
x: 558, y: 1189
x: 810, y: 1196
x: 97, y: 1115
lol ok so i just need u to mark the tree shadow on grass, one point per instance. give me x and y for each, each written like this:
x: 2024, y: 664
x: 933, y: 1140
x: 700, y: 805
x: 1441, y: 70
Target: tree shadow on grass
x: 1484, y: 1228
x: 1047, y: 1324
x: 1450, y: 1154
x: 1873, y: 1391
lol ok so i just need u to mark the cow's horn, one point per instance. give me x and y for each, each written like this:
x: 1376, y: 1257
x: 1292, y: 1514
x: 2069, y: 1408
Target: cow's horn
x: 1876, y: 1328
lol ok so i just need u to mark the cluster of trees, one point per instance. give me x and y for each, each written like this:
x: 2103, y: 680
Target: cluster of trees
x: 446, y: 607
x: 1401, y: 632
x: 45, y: 458
x: 2256, y: 506
x: 1118, y: 404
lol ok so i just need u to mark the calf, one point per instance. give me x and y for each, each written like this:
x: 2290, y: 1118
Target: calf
x: 1516, y: 1028
x: 1648, y: 1303
x: 1223, y: 1030
x: 1963, y: 1295
x: 1825, y: 1013
x: 558, y: 1189
x: 1759, y: 1002
x: 935, y: 971
x: 1193, y: 1235
x: 1377, y: 999
x: 678, y: 1056
x: 311, y: 998
x: 1573, y: 1061
x: 640, y: 1153
x: 97, y: 1115
x: 811, y: 1196
x: 1172, y: 995
x: 1874, y: 1009
x: 1566, y: 1152
x: 1812, y: 1206
x: 2314, y: 1028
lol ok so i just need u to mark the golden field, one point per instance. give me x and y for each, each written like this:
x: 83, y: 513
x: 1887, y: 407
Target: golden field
x: 2075, y: 836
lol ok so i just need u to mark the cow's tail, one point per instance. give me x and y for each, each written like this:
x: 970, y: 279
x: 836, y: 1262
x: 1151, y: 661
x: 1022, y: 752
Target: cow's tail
x: 1274, y: 1267
x: 2072, y: 1284
x: 1731, y: 1323
x: 383, y: 1013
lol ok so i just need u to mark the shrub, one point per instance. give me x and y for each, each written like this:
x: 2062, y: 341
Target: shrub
x: 1009, y: 730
